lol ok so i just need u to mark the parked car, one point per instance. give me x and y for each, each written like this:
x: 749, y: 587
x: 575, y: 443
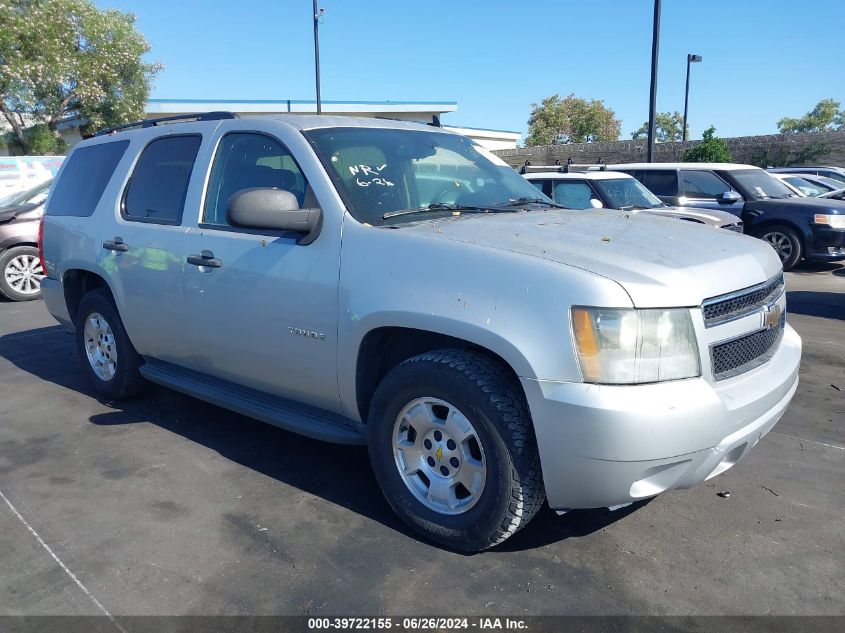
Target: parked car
x: 808, y: 184
x: 381, y: 282
x: 838, y: 194
x: 799, y: 186
x: 797, y: 228
x: 615, y: 190
x: 835, y: 173
x: 20, y: 267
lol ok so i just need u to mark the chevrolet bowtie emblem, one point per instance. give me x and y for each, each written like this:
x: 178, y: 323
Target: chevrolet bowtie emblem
x: 439, y: 453
x: 771, y: 316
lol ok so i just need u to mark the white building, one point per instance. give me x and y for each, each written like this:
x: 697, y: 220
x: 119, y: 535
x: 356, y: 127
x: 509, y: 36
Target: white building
x: 423, y: 111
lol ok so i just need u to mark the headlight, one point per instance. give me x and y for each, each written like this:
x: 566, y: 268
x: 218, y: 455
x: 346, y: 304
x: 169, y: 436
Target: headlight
x: 833, y: 221
x: 625, y: 346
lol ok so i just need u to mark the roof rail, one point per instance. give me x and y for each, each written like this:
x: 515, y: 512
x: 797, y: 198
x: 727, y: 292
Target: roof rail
x: 527, y: 167
x: 145, y: 123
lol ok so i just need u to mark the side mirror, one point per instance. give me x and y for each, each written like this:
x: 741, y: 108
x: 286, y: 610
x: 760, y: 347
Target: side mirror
x: 595, y: 204
x: 729, y: 197
x: 264, y: 208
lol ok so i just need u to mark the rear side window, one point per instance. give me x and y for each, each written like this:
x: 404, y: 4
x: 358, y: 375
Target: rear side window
x: 156, y: 192
x: 659, y: 182
x: 84, y: 178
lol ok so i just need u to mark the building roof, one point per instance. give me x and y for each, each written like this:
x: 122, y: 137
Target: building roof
x: 279, y: 106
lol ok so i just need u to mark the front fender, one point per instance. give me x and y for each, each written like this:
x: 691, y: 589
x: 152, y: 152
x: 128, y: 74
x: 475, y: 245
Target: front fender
x: 514, y: 305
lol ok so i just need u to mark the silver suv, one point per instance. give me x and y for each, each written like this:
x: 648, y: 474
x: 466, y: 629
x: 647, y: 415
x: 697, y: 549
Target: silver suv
x: 385, y: 283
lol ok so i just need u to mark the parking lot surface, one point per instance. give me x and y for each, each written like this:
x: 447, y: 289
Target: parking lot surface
x: 167, y: 505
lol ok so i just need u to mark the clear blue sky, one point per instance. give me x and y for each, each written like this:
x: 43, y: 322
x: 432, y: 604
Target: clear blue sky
x: 763, y: 59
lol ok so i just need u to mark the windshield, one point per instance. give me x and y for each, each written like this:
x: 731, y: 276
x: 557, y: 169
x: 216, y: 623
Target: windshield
x: 36, y: 195
x: 380, y: 171
x: 627, y: 192
x: 760, y: 185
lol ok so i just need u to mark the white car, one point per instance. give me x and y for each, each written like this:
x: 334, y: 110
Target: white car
x: 598, y: 188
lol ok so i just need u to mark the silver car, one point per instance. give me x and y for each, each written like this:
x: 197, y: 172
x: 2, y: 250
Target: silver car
x: 385, y: 283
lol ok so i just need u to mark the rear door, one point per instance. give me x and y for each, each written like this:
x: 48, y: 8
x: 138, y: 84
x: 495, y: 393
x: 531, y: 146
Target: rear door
x: 265, y: 312
x: 141, y: 255
x: 663, y: 183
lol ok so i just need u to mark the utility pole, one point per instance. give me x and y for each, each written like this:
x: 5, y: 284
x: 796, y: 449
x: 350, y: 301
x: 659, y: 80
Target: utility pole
x: 317, y: 15
x: 690, y: 59
x: 652, y: 106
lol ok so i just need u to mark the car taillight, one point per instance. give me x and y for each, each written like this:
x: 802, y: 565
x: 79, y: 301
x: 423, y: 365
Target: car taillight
x: 41, y: 245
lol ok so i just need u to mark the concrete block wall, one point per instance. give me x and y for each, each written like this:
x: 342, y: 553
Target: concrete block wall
x: 817, y: 148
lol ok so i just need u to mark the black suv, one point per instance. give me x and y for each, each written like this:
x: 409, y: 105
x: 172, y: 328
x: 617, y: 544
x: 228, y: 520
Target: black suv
x: 796, y: 227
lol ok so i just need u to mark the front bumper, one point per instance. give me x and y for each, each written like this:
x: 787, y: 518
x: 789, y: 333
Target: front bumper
x: 827, y: 245
x: 609, y: 445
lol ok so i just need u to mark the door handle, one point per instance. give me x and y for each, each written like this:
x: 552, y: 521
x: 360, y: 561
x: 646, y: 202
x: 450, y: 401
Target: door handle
x: 115, y: 244
x: 206, y: 258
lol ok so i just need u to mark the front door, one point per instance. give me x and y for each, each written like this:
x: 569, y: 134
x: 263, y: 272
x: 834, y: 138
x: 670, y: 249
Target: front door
x: 264, y: 306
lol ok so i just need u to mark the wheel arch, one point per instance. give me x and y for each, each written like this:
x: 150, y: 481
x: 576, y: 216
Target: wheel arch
x: 77, y: 282
x: 383, y: 348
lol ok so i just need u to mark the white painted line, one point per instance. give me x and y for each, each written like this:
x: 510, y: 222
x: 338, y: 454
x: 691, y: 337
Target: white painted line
x: 61, y: 564
x: 801, y: 439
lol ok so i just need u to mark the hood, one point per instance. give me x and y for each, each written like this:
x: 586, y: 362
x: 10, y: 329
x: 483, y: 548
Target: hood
x: 659, y: 261
x: 808, y: 204
x: 7, y: 214
x: 708, y: 216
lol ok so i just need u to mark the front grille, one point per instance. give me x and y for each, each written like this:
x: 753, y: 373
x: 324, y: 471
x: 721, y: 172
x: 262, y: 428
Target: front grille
x: 737, y: 304
x: 743, y: 354
x: 736, y: 227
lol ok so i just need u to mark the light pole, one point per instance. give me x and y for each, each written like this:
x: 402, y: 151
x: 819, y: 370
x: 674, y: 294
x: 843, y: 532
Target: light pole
x: 690, y: 59
x: 317, y: 15
x: 652, y: 104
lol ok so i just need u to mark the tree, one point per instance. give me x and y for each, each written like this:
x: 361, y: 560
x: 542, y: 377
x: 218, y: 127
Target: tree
x: 668, y: 126
x: 61, y: 58
x: 556, y: 121
x: 710, y: 150
x: 40, y: 142
x: 825, y: 116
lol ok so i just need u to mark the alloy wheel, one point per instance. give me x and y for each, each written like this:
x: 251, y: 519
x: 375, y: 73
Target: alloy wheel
x: 24, y: 274
x: 100, y: 346
x: 781, y: 243
x: 439, y: 456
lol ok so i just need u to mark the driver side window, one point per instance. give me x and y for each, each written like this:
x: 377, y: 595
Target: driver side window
x: 246, y: 160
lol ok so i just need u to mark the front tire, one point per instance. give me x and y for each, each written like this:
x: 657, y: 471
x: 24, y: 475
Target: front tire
x: 785, y: 241
x: 107, y: 354
x: 21, y: 273
x: 452, y: 446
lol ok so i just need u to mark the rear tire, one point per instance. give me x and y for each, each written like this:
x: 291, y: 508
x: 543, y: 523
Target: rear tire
x: 105, y: 350
x: 785, y: 241
x: 491, y: 473
x: 21, y: 273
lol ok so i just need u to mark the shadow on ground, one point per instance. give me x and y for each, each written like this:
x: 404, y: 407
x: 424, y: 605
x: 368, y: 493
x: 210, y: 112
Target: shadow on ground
x: 830, y: 305
x: 812, y: 268
x: 318, y: 468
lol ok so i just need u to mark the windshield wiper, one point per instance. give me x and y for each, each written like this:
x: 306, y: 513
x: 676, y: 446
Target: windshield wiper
x: 516, y: 202
x: 439, y: 206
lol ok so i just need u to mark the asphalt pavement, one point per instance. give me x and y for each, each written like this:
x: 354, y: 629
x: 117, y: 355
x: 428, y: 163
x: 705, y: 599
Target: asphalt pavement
x: 167, y: 505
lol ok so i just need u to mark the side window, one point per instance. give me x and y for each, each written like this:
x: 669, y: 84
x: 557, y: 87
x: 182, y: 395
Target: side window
x: 661, y: 182
x: 156, y: 192
x: 84, y: 179
x: 573, y: 194
x: 702, y: 184
x: 246, y: 160
x: 544, y: 185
